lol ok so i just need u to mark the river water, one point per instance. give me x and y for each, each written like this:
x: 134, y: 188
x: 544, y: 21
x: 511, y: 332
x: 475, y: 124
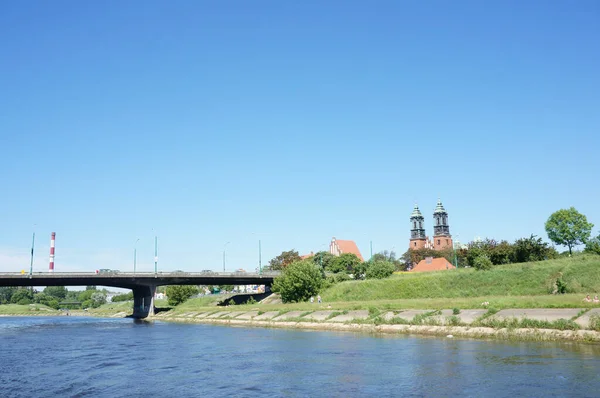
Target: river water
x: 75, y: 357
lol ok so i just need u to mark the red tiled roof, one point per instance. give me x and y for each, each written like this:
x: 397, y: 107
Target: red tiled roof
x: 305, y: 256
x: 435, y: 264
x: 348, y: 246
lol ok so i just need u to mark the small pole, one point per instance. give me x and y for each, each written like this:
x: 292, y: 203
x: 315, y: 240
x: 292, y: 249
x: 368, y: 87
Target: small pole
x: 135, y: 255
x: 155, y: 254
x: 259, y: 259
x: 371, y: 244
x: 31, y: 263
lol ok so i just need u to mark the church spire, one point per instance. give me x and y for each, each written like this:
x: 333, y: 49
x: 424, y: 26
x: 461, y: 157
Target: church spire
x: 417, y: 220
x: 440, y: 220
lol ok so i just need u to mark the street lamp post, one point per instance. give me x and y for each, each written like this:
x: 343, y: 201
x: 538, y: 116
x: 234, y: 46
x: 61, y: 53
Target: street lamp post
x: 31, y: 263
x: 224, y: 246
x: 135, y: 255
x: 259, y: 259
x: 155, y: 254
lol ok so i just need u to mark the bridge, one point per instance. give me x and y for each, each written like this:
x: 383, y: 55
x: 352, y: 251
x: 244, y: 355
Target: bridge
x: 143, y: 284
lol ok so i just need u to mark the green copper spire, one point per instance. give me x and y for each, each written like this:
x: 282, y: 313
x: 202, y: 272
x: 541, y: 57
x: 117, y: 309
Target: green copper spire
x: 439, y: 208
x: 416, y: 212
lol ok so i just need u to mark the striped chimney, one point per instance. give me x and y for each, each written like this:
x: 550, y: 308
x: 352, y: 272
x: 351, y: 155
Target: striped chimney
x: 52, y: 239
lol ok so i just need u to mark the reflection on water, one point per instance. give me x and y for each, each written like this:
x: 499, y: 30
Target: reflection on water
x: 70, y: 356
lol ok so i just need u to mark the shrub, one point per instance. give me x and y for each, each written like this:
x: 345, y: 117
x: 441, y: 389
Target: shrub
x: 298, y: 282
x: 179, y: 294
x: 122, y: 297
x: 482, y: 263
x: 456, y: 311
x: 380, y: 270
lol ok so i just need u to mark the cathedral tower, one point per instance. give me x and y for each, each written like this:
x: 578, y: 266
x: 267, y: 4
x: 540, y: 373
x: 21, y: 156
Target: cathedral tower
x: 417, y: 231
x: 441, y: 230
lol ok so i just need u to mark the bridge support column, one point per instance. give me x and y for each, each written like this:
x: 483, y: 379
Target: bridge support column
x: 143, y: 301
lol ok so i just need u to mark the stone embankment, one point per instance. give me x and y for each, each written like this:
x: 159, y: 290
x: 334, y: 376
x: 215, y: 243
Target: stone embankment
x: 475, y: 323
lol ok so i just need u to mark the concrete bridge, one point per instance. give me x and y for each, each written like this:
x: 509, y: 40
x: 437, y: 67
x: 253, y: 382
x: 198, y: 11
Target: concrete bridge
x: 143, y: 284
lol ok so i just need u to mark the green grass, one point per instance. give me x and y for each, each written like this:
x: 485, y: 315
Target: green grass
x: 514, y: 323
x: 581, y: 274
x: 29, y: 309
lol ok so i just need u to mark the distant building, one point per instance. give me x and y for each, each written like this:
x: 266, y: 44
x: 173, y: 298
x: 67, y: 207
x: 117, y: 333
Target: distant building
x: 305, y: 256
x: 433, y: 264
x: 441, y: 230
x: 338, y: 247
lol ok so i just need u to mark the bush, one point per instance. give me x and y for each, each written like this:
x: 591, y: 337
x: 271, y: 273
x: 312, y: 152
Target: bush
x: 178, y: 294
x: 298, y: 282
x: 122, y: 297
x: 482, y: 263
x: 380, y: 270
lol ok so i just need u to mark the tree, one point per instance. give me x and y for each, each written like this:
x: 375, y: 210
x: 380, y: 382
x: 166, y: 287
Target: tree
x: 298, y: 282
x: 531, y: 249
x: 22, y: 296
x: 283, y: 260
x: 178, y: 294
x: 593, y: 245
x: 6, y: 294
x: 122, y: 297
x: 568, y: 227
x: 380, y: 269
x: 58, y: 292
x: 323, y: 258
x: 360, y: 270
x: 482, y: 263
x: 345, y: 262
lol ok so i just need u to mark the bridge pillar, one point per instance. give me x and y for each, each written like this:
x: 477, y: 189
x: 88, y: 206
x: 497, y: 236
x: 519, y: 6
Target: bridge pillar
x: 143, y: 301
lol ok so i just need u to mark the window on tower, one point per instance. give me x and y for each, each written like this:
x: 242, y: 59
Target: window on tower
x: 438, y: 242
x: 415, y: 224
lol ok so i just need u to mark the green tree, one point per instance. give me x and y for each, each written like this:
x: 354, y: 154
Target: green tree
x: 58, y: 292
x: 568, y: 227
x: 324, y: 258
x: 593, y: 245
x: 299, y: 281
x: 283, y: 260
x: 360, y: 270
x: 6, y: 294
x: 178, y: 294
x: 22, y: 296
x: 345, y: 262
x: 123, y: 297
x: 531, y: 249
x: 482, y: 263
x: 380, y: 269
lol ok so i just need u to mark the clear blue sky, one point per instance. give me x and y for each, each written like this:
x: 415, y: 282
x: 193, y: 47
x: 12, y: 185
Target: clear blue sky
x: 289, y: 122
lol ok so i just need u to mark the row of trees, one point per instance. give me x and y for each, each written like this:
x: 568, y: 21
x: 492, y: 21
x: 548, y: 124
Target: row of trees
x: 52, y: 296
x: 302, y: 279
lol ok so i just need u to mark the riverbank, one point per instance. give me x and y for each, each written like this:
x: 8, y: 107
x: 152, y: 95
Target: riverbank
x: 572, y: 324
x: 520, y: 334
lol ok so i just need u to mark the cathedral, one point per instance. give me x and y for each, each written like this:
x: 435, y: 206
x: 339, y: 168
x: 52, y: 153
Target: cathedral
x: 441, y: 231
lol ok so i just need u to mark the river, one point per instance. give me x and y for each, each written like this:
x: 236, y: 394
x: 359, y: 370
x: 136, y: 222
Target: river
x: 85, y: 356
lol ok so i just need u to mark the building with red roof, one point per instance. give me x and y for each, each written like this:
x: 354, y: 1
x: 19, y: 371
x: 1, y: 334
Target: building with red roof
x: 338, y: 247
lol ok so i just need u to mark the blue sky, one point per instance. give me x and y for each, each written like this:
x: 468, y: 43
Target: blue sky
x: 289, y: 122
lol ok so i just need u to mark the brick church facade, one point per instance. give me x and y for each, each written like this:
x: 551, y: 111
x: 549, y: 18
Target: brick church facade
x: 441, y: 230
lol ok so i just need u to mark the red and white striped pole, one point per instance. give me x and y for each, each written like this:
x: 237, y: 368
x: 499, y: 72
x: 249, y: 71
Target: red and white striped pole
x: 52, y: 239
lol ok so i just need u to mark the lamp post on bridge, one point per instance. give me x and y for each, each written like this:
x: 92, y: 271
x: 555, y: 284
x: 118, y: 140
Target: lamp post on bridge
x: 224, y: 246
x: 135, y: 255
x: 31, y: 262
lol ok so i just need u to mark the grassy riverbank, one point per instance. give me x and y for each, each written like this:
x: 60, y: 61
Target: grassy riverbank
x: 30, y: 309
x: 581, y: 275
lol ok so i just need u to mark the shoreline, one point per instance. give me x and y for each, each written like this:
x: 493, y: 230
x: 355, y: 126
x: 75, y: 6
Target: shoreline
x: 477, y: 332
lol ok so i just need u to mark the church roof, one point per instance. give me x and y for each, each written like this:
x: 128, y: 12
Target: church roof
x: 349, y: 246
x: 433, y: 264
x: 439, y: 208
x: 416, y: 212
